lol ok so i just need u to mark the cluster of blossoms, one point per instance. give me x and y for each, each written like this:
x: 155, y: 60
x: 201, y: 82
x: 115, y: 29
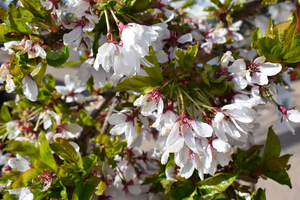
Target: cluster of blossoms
x: 196, y: 111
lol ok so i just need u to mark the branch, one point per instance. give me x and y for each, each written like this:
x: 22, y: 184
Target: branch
x: 52, y: 38
x: 249, y: 7
x: 106, y: 98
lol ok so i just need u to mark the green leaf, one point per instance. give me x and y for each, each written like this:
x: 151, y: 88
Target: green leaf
x: 214, y: 196
x: 25, y: 103
x: 16, y: 19
x: 269, y: 31
x: 102, y: 139
x: 182, y: 191
x: 8, y: 196
x: 190, y: 56
x: 210, y: 8
x: 39, y: 73
x: 24, y: 148
x: 86, y: 119
x: 89, y: 162
x: 55, y: 59
x: 139, y: 84
x: 290, y: 34
x: 296, y: 40
x: 3, y: 31
x: 153, y: 72
x: 78, y: 192
x: 90, y: 84
x: 67, y: 176
x: 281, y: 177
x: 258, y: 195
x: 179, y: 54
x: 272, y: 148
x: 6, y: 177
x: 63, y: 148
x: 280, y: 30
x: 256, y: 35
x: 49, y: 82
x: 35, y: 7
x: 206, y: 73
x: 5, y: 114
x: 141, y: 6
x: 101, y: 188
x: 45, y: 151
x: 219, y: 181
x: 2, y: 13
x: 292, y: 56
x: 63, y: 192
x: 269, y: 46
x: 24, y: 179
x: 187, y: 4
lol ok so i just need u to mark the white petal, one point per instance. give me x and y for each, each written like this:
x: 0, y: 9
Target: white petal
x: 134, y: 189
x: 185, y: 38
x: 30, y: 88
x: 220, y: 145
x: 117, y: 118
x: 293, y: 116
x: 202, y: 129
x: 270, y: 69
x: 260, y: 60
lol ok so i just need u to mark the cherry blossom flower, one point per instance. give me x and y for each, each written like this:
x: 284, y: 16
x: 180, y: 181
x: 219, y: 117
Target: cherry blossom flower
x: 124, y: 123
x: 214, y: 36
x: 111, y: 55
x: 289, y: 115
x: 47, y: 179
x: 259, y: 71
x: 30, y: 88
x: 27, y: 46
x: 137, y: 38
x: 46, y: 116
x: 87, y: 70
x: 70, y: 90
x: 232, y: 31
x: 150, y: 102
x: 5, y: 76
x: 188, y: 128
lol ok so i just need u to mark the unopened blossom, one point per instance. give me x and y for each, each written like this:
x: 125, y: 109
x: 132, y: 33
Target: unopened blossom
x: 258, y: 71
x: 47, y: 179
x: 150, y: 102
x: 19, y: 163
x: 289, y: 115
x: 124, y: 123
x: 71, y: 90
x: 30, y: 88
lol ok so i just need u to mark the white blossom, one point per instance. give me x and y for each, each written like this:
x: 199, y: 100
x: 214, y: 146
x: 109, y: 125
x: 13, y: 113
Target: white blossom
x: 30, y: 88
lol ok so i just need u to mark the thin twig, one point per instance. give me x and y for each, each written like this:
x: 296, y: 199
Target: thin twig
x: 85, y: 100
x: 107, y: 96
